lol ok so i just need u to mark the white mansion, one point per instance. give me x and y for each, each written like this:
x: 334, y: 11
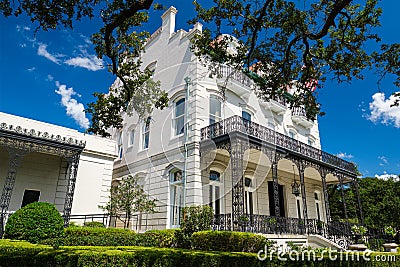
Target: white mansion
x: 258, y: 164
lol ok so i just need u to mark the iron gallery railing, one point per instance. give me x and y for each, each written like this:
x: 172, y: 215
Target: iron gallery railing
x: 265, y: 224
x: 239, y: 124
x: 237, y: 75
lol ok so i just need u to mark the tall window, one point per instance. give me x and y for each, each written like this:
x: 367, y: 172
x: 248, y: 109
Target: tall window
x: 119, y: 145
x: 272, y: 200
x: 179, y: 119
x: 215, y: 109
x: 176, y: 197
x: 146, y: 133
x: 317, y: 199
x: 248, y: 195
x: 131, y: 137
x: 298, y: 206
x: 215, y: 192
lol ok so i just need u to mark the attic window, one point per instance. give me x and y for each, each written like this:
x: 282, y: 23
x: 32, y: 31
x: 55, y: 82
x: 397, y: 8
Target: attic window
x: 152, y: 66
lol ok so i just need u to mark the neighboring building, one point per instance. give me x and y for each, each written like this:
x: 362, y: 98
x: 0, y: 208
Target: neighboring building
x: 48, y: 163
x: 257, y: 163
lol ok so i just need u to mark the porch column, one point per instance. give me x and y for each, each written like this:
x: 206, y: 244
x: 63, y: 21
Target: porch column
x: 355, y: 183
x: 15, y: 159
x: 236, y: 158
x: 340, y: 178
x: 303, y: 191
x: 274, y: 169
x: 69, y: 196
x: 326, y: 196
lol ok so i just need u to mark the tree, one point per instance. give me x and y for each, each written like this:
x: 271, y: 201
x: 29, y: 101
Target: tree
x: 278, y: 44
x: 127, y: 198
x: 380, y: 202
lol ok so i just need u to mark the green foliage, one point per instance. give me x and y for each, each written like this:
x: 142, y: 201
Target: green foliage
x: 380, y: 201
x: 197, y: 218
x: 34, y: 222
x: 95, y: 236
x: 286, y: 43
x: 127, y: 198
x: 23, y: 254
x: 158, y: 238
x: 228, y: 241
x: 94, y: 224
x: 278, y: 44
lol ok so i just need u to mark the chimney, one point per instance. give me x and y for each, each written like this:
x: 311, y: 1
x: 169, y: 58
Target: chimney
x: 168, y: 20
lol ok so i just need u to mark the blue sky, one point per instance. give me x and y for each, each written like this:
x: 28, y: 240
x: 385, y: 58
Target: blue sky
x: 51, y: 76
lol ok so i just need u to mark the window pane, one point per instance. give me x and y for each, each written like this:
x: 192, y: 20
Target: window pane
x: 30, y: 196
x: 246, y: 115
x: 177, y: 176
x: 179, y: 107
x: 214, y: 176
x: 215, y: 106
x: 131, y: 137
x: 146, y: 140
x: 180, y: 125
x: 217, y: 200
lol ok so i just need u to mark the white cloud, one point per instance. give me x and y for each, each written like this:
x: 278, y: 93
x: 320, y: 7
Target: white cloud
x: 386, y: 176
x: 42, y: 51
x: 49, y: 77
x: 382, y: 111
x: 344, y: 155
x: 31, y: 69
x: 90, y: 62
x: 383, y: 159
x: 73, y: 107
x: 22, y: 28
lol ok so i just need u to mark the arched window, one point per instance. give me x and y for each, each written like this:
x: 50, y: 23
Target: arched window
x: 215, y: 194
x: 176, y: 199
x: 179, y: 117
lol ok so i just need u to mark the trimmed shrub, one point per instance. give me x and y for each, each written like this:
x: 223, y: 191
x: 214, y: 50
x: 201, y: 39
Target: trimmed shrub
x: 34, y: 222
x: 23, y: 254
x: 197, y: 218
x: 94, y: 224
x: 229, y: 241
x: 95, y: 236
x: 158, y: 238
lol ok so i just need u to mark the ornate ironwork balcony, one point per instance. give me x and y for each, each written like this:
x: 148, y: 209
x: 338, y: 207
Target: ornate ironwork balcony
x: 281, y: 141
x: 237, y: 75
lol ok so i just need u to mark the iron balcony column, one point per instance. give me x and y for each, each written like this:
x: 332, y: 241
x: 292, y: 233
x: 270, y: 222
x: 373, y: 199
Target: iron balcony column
x: 15, y: 159
x: 69, y: 196
x: 303, y: 192
x: 340, y: 178
x: 236, y: 158
x: 326, y: 197
x: 276, y: 188
x: 355, y: 184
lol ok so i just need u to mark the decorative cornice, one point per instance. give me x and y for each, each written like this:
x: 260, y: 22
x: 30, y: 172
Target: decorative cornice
x: 41, y: 135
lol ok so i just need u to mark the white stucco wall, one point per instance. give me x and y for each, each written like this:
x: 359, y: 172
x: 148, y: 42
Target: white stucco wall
x: 47, y: 173
x: 170, y: 49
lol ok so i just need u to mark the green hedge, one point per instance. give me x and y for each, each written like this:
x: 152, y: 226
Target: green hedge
x: 229, y: 241
x: 23, y: 254
x: 95, y: 236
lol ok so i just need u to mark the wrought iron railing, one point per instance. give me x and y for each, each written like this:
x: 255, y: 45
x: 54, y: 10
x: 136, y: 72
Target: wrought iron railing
x: 238, y: 124
x: 235, y: 74
x: 299, y: 111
